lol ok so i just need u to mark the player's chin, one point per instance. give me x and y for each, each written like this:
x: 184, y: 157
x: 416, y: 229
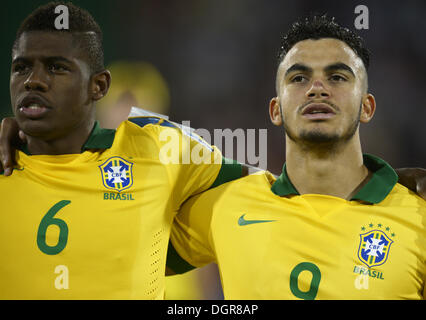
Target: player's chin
x: 319, y: 136
x: 36, y: 127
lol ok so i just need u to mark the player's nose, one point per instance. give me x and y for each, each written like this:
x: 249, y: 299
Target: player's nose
x: 318, y: 90
x: 36, y: 81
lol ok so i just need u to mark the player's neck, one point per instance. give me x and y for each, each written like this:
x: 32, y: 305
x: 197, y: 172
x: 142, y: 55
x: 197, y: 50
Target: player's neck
x: 340, y: 173
x: 68, y: 143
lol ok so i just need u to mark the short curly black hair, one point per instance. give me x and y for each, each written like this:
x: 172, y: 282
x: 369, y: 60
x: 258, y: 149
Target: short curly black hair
x: 83, y: 27
x: 318, y: 27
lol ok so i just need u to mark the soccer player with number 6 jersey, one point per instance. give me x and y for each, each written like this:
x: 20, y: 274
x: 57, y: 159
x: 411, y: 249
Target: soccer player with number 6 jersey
x: 87, y: 212
x: 336, y: 224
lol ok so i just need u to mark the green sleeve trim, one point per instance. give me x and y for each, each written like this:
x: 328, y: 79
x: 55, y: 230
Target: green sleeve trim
x: 175, y: 262
x: 230, y: 170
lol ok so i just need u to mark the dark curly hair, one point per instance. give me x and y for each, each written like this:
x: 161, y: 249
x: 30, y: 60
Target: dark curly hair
x: 318, y: 27
x: 83, y: 27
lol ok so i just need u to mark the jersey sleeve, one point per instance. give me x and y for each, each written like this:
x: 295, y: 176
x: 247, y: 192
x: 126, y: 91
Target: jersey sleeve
x: 193, y: 165
x: 190, y: 239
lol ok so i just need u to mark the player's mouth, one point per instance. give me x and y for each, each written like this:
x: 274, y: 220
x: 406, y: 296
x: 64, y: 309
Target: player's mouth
x: 33, y: 106
x: 318, y: 111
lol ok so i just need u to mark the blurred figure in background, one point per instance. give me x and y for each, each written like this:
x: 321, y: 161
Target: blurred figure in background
x: 137, y: 84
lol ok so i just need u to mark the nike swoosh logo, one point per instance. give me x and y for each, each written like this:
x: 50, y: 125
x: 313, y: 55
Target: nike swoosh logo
x: 244, y: 222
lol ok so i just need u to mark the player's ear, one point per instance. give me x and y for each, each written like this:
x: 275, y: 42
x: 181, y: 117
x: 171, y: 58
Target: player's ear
x: 275, y: 111
x: 100, y: 83
x: 368, y: 108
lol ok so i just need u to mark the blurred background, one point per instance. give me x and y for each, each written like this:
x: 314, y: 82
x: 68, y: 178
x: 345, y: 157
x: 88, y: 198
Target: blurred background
x: 213, y: 62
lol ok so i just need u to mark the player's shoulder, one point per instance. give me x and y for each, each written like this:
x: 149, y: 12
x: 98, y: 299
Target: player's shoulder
x: 148, y: 122
x: 261, y: 179
x: 251, y: 188
x: 145, y: 129
x: 162, y: 130
x: 402, y: 196
x: 251, y: 184
x: 154, y: 125
x: 139, y: 137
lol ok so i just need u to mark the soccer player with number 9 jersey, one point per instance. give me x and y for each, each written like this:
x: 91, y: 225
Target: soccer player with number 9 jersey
x: 335, y: 224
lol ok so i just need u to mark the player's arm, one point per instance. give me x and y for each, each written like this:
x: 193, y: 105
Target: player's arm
x: 190, y: 244
x: 193, y: 165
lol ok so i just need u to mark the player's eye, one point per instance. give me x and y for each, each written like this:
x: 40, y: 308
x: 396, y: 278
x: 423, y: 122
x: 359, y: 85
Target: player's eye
x: 55, y: 67
x: 298, y: 79
x: 20, y: 68
x: 337, y: 78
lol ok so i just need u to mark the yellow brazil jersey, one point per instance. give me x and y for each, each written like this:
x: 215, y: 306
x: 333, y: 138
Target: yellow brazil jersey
x: 96, y: 225
x: 272, y: 243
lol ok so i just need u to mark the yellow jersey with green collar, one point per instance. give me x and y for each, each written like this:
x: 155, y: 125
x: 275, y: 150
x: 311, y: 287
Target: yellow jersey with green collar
x: 272, y: 243
x: 96, y: 225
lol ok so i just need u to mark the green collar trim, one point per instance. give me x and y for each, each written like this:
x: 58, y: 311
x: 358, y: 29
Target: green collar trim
x: 381, y: 183
x: 283, y: 186
x: 377, y: 188
x: 99, y: 138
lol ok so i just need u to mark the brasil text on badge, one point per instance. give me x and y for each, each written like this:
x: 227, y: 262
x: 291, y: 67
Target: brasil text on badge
x: 117, y: 174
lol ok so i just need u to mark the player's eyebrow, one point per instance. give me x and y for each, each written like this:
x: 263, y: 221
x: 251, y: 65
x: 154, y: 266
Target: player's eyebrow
x: 46, y: 59
x: 20, y: 60
x: 337, y: 67
x: 298, y: 67
x: 57, y: 59
x: 330, y: 68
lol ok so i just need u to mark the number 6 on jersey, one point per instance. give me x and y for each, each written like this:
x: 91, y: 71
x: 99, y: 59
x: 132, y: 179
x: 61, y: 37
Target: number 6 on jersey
x: 49, y: 220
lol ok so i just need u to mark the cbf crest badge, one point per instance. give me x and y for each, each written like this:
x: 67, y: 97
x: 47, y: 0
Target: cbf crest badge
x: 117, y: 174
x: 374, y: 248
